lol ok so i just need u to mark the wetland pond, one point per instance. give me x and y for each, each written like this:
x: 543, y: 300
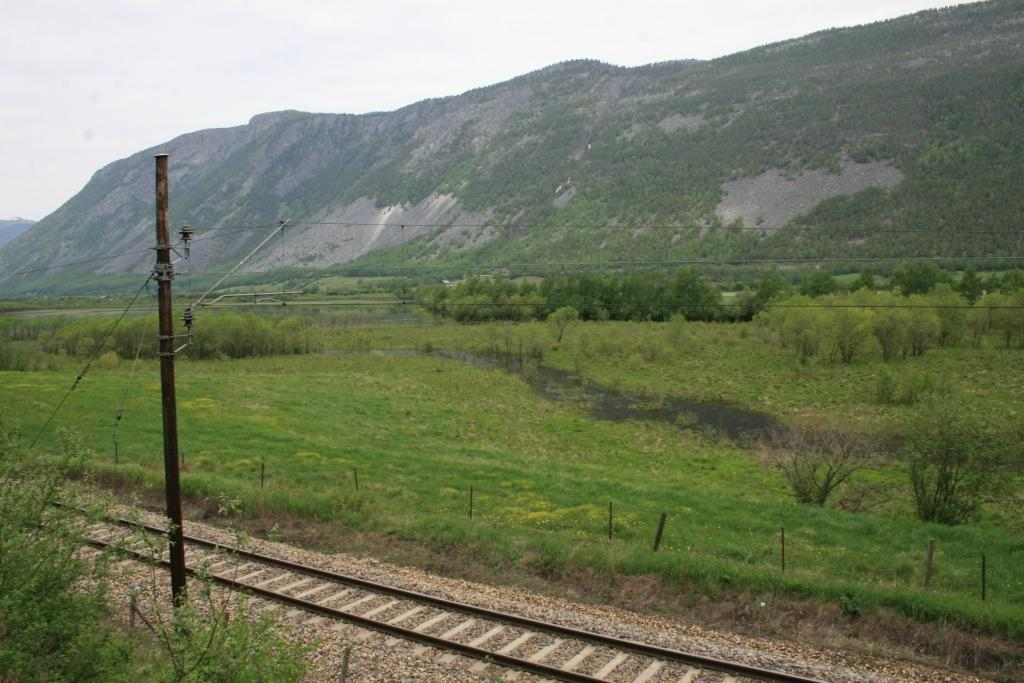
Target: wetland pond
x: 738, y: 424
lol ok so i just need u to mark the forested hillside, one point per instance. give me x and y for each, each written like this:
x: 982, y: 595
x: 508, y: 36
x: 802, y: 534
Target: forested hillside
x: 887, y: 139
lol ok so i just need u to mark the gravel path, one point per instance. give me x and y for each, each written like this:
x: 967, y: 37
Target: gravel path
x: 379, y: 657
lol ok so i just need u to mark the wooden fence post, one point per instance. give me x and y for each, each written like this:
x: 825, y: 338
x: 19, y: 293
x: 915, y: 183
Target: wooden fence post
x: 609, y: 521
x: 661, y: 528
x: 983, y: 586
x: 928, y: 563
x: 344, y: 663
x: 782, y: 540
x: 355, y: 476
x: 471, y: 502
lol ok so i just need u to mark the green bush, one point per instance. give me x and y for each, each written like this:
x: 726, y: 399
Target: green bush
x: 47, y: 630
x: 54, y: 616
x: 851, y: 604
x: 954, y: 464
x: 885, y: 387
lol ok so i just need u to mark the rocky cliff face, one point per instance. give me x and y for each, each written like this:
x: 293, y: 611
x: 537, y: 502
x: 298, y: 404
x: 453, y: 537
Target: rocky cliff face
x: 911, y: 122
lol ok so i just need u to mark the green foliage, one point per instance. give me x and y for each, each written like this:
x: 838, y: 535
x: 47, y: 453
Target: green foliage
x: 816, y: 462
x: 851, y: 605
x: 970, y: 286
x: 951, y: 313
x: 921, y: 325
x: 211, y: 637
x: 1003, y: 314
x: 889, y: 324
x: 218, y: 335
x: 900, y: 326
x: 885, y: 387
x: 544, y: 470
x: 651, y: 296
x: 797, y: 326
x: 865, y: 280
x: 1011, y: 282
x: 560, y: 319
x: 914, y: 388
x: 771, y: 286
x: 954, y: 464
x: 819, y: 283
x: 22, y: 357
x: 225, y: 645
x: 51, y: 628
x: 918, y: 278
x: 848, y: 328
x: 54, y: 615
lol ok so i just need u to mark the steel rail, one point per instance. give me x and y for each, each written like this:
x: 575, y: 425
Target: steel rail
x: 398, y: 631
x: 649, y: 650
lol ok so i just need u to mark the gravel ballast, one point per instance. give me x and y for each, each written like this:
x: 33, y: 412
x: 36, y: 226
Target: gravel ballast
x: 381, y: 657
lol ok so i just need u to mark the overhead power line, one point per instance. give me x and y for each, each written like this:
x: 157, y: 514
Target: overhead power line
x: 73, y: 263
x: 124, y: 397
x: 98, y: 259
x: 235, y: 229
x: 578, y: 264
x: 519, y: 304
x: 861, y: 230
x: 95, y: 352
x: 653, y: 304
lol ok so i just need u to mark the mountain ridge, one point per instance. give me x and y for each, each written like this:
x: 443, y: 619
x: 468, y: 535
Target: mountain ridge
x: 12, y: 227
x: 905, y: 123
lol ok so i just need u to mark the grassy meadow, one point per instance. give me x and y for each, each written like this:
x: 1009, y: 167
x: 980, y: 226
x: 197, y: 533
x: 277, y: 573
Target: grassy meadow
x: 422, y: 430
x: 737, y: 364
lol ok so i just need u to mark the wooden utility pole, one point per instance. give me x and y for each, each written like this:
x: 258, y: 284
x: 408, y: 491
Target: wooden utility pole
x: 164, y: 274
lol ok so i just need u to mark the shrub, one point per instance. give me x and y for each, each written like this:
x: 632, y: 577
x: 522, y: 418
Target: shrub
x: 54, y: 617
x: 817, y: 461
x: 885, y: 387
x: 561, y: 319
x: 914, y: 389
x: 47, y: 630
x: 955, y: 465
x: 851, y: 605
x: 108, y: 360
x: 920, y: 386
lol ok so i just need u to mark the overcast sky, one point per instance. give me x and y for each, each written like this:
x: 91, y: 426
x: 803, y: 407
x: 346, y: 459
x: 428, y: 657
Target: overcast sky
x: 87, y: 83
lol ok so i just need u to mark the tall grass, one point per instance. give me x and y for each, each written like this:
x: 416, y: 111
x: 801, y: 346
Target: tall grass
x: 422, y: 430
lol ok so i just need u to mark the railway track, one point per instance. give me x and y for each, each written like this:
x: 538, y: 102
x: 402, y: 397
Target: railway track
x: 545, y: 649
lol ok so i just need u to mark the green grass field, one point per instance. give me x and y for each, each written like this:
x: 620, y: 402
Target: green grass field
x: 422, y: 430
x: 737, y: 364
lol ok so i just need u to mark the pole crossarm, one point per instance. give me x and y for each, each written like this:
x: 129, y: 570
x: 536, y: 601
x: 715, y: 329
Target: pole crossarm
x: 258, y: 297
x: 199, y: 302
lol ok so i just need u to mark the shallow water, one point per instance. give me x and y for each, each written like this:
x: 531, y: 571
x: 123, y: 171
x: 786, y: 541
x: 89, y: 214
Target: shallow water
x: 739, y: 424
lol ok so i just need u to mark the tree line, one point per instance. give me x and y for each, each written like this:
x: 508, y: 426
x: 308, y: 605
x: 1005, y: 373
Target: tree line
x: 658, y: 296
x: 225, y: 335
x: 846, y: 327
x: 653, y: 296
